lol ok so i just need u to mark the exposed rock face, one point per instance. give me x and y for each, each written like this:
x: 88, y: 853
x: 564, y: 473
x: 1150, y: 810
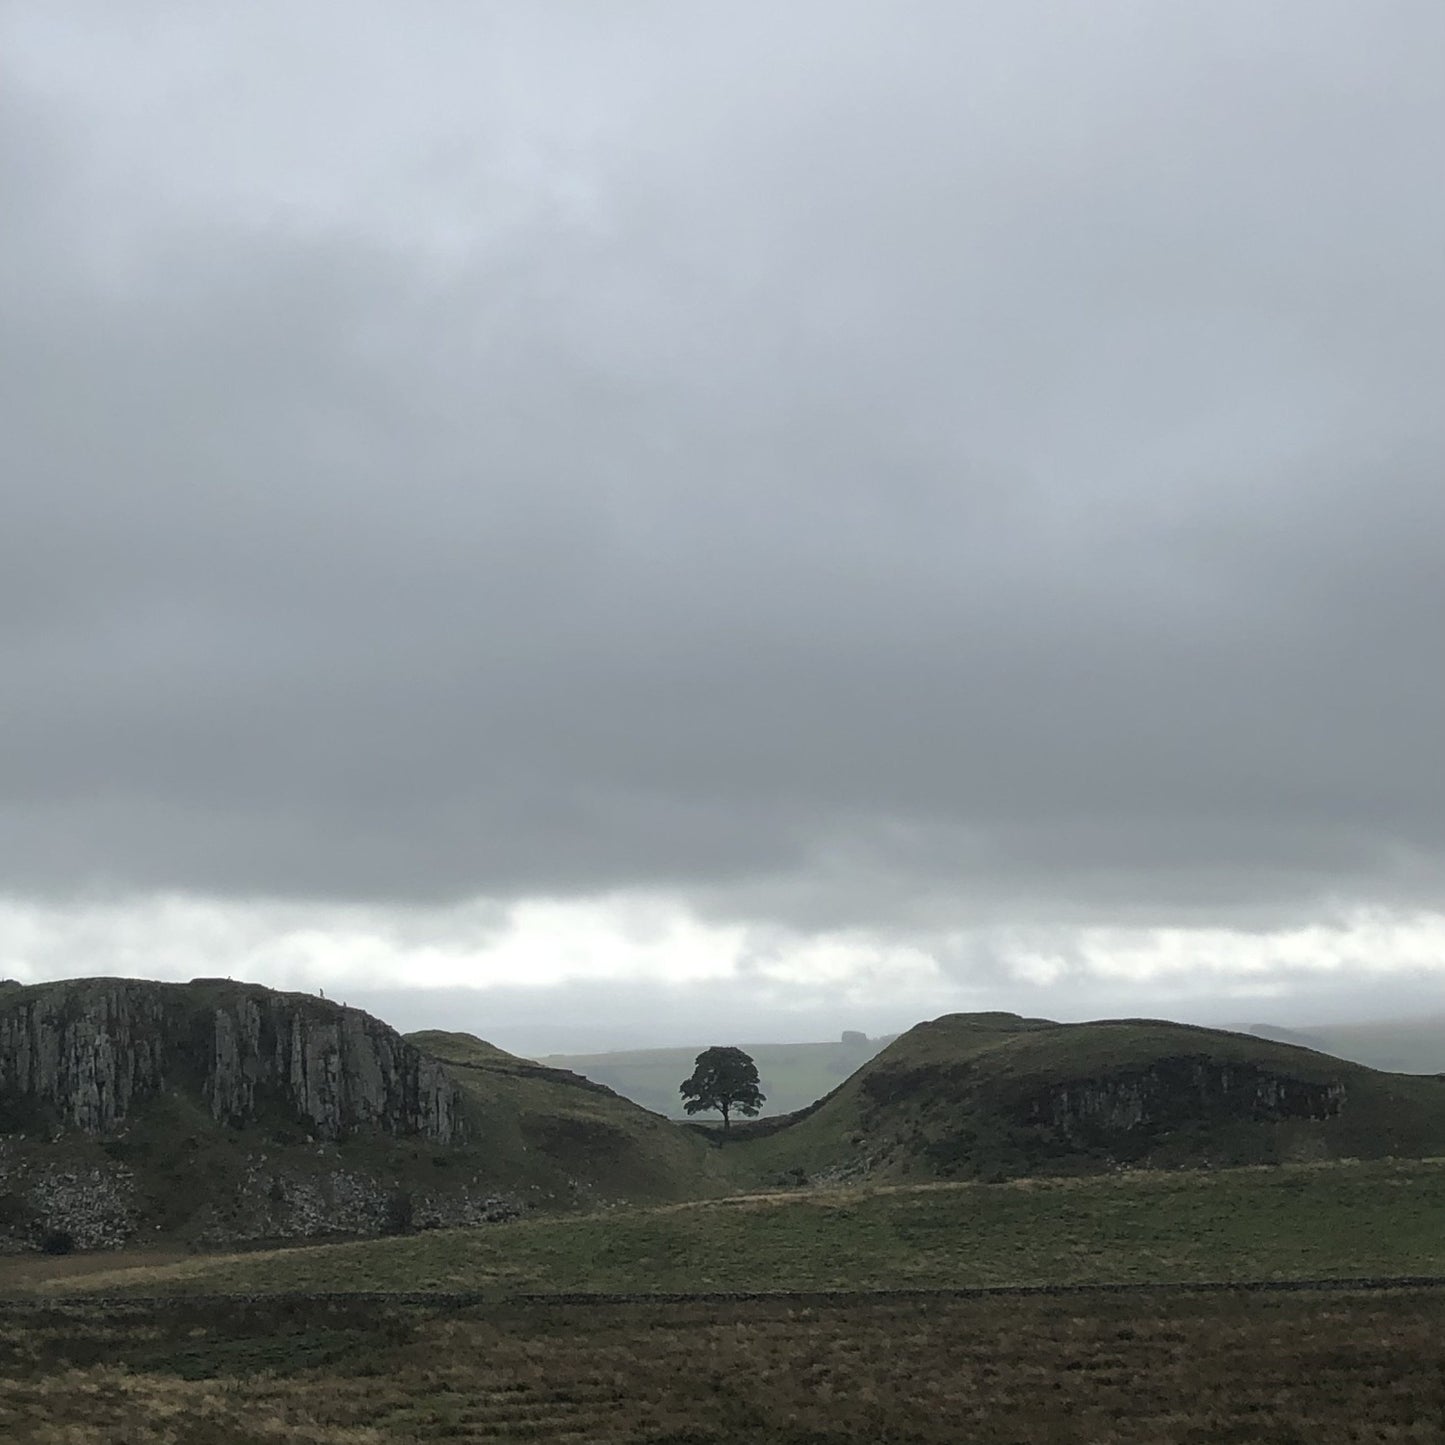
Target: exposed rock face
x: 977, y: 1117
x: 83, y: 1055
x: 1171, y: 1091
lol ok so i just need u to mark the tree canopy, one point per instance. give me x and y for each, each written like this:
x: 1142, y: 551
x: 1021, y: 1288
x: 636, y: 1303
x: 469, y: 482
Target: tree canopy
x: 725, y: 1079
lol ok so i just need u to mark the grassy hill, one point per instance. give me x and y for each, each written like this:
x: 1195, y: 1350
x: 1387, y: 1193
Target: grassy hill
x: 1296, y: 1221
x: 796, y: 1075
x: 995, y: 1095
x: 562, y: 1140
x: 792, y: 1075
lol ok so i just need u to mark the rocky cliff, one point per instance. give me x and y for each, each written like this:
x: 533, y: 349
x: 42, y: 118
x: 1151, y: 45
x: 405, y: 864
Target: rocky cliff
x: 86, y: 1055
x: 1171, y: 1092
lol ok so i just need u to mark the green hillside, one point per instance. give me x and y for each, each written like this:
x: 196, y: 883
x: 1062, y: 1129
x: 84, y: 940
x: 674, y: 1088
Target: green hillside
x: 792, y: 1075
x: 995, y: 1095
x: 559, y: 1139
x: 1296, y: 1221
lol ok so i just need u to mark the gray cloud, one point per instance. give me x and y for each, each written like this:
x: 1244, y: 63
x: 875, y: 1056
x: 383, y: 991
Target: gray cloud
x: 846, y: 468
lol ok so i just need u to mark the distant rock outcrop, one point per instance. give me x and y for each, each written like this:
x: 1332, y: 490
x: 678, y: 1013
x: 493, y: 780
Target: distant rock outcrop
x: 84, y: 1055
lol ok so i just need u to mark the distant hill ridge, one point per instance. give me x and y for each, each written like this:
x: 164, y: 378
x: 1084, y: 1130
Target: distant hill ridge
x: 1409, y: 1046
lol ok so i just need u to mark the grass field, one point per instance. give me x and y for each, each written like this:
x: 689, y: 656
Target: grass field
x: 1287, y: 1369
x: 1114, y: 1369
x: 1382, y: 1218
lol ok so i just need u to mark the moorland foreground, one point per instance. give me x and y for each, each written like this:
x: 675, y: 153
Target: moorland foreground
x: 996, y: 1229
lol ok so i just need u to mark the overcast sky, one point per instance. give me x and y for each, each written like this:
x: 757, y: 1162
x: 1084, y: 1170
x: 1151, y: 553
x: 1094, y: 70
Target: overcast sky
x: 651, y: 519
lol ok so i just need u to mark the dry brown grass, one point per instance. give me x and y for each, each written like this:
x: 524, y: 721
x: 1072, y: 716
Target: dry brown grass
x: 23, y: 1272
x: 1333, y: 1369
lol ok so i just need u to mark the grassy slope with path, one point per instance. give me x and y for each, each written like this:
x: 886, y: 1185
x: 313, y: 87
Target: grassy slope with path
x: 1382, y: 1218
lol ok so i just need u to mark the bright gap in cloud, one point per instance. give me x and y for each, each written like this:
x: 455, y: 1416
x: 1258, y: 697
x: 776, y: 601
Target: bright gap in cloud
x: 640, y: 942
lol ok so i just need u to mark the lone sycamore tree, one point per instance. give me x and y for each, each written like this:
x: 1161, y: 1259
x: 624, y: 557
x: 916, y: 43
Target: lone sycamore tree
x: 724, y: 1079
